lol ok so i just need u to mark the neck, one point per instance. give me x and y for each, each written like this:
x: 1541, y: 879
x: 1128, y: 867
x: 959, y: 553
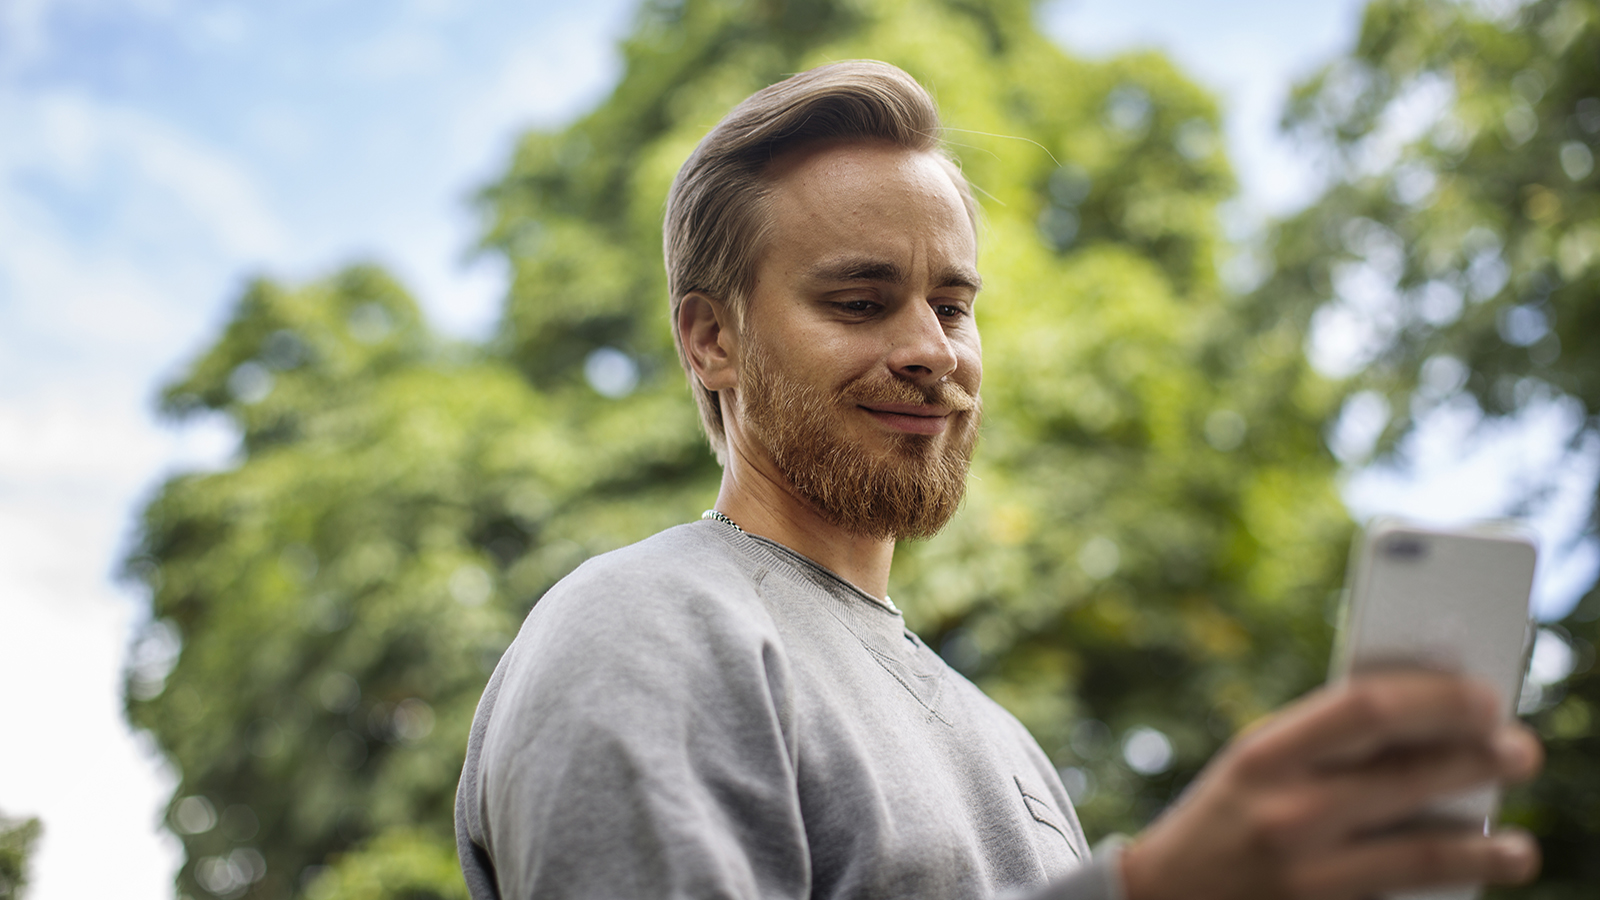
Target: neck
x: 765, y: 504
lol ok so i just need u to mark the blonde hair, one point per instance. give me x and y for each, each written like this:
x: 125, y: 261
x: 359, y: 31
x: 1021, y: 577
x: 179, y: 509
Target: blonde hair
x: 716, y: 222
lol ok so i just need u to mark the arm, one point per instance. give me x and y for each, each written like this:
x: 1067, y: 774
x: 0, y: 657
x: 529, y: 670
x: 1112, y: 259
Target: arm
x: 1297, y: 807
x: 636, y: 749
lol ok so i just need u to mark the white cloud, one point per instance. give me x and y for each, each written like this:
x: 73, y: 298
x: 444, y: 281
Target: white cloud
x: 120, y: 233
x: 221, y: 26
x: 120, y: 156
x: 283, y: 130
x: 543, y: 78
x: 404, y: 53
x: 73, y: 464
x: 75, y: 458
x: 437, y: 10
x: 551, y: 76
x: 68, y: 759
x: 22, y: 34
x: 120, y: 236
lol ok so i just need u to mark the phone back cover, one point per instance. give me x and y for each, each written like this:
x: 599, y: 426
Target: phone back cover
x: 1449, y: 600
x: 1457, y: 601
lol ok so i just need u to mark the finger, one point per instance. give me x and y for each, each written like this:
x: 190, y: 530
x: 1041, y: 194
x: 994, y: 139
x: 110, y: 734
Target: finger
x: 1331, y: 808
x: 1518, y: 751
x: 1417, y: 860
x: 1360, y: 718
x: 1402, y: 780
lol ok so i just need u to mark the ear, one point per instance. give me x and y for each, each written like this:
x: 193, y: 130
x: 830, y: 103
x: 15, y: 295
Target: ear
x: 705, y: 328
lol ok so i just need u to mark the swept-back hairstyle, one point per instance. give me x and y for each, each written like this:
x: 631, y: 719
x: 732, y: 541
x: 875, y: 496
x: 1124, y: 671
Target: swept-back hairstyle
x: 717, y: 220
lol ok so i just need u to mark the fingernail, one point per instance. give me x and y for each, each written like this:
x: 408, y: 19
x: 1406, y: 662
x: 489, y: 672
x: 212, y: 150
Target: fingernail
x: 1517, y: 850
x: 1513, y: 842
x: 1512, y: 750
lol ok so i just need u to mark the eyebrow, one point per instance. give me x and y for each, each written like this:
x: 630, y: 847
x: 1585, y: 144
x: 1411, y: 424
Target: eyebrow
x: 880, y: 270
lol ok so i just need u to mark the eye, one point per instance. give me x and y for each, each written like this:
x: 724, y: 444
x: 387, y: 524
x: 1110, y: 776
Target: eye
x: 859, y: 306
x: 949, y: 310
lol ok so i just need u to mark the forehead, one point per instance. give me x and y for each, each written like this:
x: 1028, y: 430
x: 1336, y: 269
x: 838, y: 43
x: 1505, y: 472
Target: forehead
x: 868, y: 198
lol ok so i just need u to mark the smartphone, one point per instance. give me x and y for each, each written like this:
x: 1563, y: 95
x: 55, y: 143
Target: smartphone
x: 1446, y: 599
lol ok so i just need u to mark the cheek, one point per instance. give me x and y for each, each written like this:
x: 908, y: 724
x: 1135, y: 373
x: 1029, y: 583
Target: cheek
x: 815, y: 359
x: 970, y: 361
x: 828, y: 356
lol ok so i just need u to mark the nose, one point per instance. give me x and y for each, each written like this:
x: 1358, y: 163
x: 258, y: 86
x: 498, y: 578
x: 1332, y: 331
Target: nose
x: 922, y: 350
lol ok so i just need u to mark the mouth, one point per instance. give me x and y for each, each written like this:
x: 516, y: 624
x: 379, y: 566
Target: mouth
x: 911, y: 418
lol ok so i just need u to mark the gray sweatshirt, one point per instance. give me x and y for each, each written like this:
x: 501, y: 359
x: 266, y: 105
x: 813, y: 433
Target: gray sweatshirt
x: 706, y: 714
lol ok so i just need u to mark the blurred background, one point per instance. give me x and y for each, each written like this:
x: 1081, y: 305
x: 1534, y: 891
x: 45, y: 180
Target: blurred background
x: 332, y: 334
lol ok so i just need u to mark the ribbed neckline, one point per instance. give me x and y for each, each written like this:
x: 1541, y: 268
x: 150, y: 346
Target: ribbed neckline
x: 805, y: 566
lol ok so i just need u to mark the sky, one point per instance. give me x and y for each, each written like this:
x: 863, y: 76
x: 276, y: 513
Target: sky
x: 157, y: 154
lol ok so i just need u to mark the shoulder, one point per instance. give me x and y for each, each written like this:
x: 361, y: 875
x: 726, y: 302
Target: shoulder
x: 689, y: 569
x: 677, y: 592
x: 636, y: 645
x: 696, y: 556
x: 638, y: 670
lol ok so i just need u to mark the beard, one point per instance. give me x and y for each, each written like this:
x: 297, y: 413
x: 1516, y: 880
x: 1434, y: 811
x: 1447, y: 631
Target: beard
x: 910, y: 491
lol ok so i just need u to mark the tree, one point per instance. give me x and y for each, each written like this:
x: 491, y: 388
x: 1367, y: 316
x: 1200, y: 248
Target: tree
x: 17, y: 837
x: 1145, y: 562
x: 1458, y: 238
x: 1152, y: 534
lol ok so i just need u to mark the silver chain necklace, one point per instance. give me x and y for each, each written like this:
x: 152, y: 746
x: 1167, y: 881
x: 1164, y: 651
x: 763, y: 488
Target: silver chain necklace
x: 717, y: 516
x: 714, y: 515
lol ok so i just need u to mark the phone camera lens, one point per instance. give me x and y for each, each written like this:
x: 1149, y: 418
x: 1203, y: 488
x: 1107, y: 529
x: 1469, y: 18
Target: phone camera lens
x: 1406, y: 549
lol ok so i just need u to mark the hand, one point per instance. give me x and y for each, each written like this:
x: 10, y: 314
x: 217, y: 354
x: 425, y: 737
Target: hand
x: 1295, y: 808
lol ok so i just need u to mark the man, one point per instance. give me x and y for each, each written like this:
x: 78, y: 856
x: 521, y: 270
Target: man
x: 734, y: 708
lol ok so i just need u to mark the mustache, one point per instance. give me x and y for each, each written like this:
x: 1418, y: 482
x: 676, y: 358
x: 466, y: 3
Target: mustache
x: 867, y: 390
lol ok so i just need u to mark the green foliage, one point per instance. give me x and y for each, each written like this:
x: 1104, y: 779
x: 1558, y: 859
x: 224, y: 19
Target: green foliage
x: 1563, y: 806
x: 343, y: 593
x: 1476, y: 245
x: 331, y: 591
x: 1151, y: 538
x: 398, y: 865
x: 1485, y: 228
x: 16, y: 843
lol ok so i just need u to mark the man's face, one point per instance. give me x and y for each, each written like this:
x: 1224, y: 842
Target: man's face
x: 860, y: 359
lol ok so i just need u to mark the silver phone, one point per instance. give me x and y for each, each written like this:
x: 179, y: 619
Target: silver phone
x: 1445, y: 599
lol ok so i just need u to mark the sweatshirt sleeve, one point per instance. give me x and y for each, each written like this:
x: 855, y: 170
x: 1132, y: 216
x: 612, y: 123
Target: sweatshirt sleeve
x: 637, y: 749
x: 1098, y: 879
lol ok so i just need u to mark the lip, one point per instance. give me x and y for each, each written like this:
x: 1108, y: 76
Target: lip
x: 911, y: 418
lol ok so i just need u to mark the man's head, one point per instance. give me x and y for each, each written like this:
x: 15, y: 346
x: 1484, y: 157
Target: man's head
x: 718, y: 223
x: 835, y: 348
